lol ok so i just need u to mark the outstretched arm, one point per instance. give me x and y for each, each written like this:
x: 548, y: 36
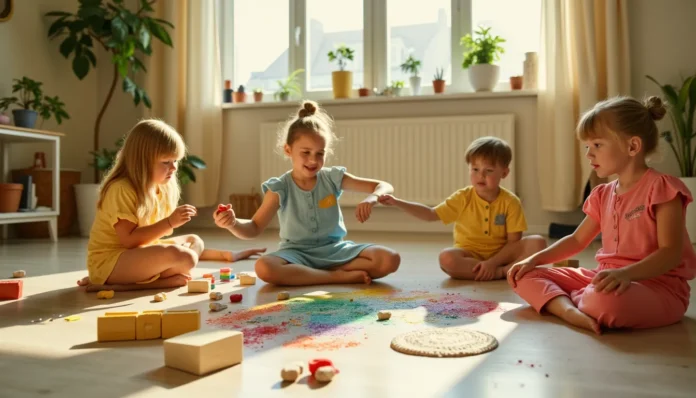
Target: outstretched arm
x: 420, y: 211
x: 249, y: 229
x: 375, y: 188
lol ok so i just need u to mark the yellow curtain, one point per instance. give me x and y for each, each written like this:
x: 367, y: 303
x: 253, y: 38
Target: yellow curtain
x: 584, y: 58
x: 185, y: 86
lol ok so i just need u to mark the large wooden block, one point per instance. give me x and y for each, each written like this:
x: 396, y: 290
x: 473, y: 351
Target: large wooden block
x: 11, y: 290
x: 204, y: 351
x: 175, y: 323
x: 247, y: 278
x: 116, y: 326
x: 149, y: 325
x: 199, y: 286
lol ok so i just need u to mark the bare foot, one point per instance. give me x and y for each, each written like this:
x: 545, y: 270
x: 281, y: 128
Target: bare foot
x: 172, y: 281
x: 352, y: 277
x: 241, y: 255
x: 84, y: 281
x: 578, y: 318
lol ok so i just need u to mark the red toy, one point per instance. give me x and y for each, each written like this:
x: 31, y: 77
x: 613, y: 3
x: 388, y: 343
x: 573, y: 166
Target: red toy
x: 315, y: 364
x: 11, y: 290
x: 223, y: 208
x: 235, y: 298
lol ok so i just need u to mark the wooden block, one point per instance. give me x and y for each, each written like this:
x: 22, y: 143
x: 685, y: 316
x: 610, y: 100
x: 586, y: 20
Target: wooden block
x: 247, y: 279
x: 116, y: 326
x: 11, y: 290
x: 149, y: 325
x: 175, y: 323
x: 204, y: 351
x: 199, y: 286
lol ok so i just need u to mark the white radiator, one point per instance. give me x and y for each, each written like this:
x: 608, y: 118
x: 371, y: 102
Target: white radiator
x: 423, y: 158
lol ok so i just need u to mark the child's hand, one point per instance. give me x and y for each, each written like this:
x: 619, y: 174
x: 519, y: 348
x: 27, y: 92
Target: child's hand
x: 609, y: 280
x: 387, y: 200
x: 364, y: 209
x: 484, y: 271
x: 517, y: 271
x: 181, y: 215
x: 224, y: 217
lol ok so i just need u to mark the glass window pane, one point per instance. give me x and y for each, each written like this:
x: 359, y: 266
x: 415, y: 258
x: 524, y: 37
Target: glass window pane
x: 518, y: 22
x: 331, y: 23
x: 260, y: 43
x: 424, y: 30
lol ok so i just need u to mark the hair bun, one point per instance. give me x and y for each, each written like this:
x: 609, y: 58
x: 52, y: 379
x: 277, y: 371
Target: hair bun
x: 308, y: 109
x: 655, y: 107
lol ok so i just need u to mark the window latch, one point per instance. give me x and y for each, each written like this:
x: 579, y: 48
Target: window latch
x: 298, y: 32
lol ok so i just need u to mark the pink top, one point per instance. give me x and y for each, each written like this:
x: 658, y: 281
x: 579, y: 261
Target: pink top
x: 628, y: 223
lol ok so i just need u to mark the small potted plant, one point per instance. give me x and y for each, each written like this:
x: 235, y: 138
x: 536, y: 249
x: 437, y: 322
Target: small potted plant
x: 341, y: 79
x: 289, y: 86
x: 516, y: 82
x: 239, y: 95
x: 412, y: 66
x: 32, y: 103
x: 439, y: 81
x: 258, y: 95
x: 479, y: 57
x: 363, y: 91
x: 396, y: 87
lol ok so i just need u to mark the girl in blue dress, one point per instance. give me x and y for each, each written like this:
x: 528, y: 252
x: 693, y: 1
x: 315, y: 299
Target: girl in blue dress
x: 312, y: 248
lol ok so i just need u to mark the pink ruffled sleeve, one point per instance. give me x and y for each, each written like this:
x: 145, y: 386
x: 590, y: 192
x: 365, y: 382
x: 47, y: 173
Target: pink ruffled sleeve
x: 593, y: 203
x: 666, y: 188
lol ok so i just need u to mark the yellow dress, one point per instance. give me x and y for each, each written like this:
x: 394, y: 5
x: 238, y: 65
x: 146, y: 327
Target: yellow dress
x: 104, y: 247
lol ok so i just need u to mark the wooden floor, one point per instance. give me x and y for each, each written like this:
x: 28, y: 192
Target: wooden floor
x: 59, y: 358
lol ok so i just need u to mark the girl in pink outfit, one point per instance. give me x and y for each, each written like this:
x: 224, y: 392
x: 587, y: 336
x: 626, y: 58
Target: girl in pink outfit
x: 646, y: 257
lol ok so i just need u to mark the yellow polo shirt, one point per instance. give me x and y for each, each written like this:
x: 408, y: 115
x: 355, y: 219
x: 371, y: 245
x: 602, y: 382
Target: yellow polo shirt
x: 480, y: 227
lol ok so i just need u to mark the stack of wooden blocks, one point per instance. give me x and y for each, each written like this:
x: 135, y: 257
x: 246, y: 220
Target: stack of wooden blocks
x: 156, y: 324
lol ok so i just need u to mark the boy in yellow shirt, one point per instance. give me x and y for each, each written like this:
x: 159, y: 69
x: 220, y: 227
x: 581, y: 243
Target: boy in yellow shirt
x: 488, y: 219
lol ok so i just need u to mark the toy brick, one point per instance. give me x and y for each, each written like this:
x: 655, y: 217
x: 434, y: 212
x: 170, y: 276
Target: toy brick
x: 247, y: 279
x: 116, y: 326
x: 149, y: 325
x: 11, y: 290
x: 199, y: 286
x: 175, y: 323
x: 204, y: 351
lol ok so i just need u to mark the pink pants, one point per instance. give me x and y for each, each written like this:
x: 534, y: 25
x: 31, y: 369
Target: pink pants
x: 650, y: 303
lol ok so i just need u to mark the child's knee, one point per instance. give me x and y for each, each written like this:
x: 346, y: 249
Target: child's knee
x: 389, y: 262
x: 184, y: 258
x: 264, y: 269
x: 447, y: 260
x: 535, y: 243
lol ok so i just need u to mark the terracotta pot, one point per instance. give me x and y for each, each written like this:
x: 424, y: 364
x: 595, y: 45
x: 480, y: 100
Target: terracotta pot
x: 10, y: 196
x: 439, y: 86
x: 363, y: 92
x: 258, y: 97
x: 239, y: 97
x: 516, y: 82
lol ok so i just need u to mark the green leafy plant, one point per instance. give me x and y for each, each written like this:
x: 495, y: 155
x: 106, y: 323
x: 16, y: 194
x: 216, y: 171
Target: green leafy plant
x: 397, y: 84
x: 439, y: 74
x: 411, y: 65
x: 485, y: 49
x: 126, y: 35
x: 682, y: 104
x: 240, y: 89
x: 31, y: 97
x: 343, y: 54
x: 104, y: 160
x: 258, y: 90
x: 289, y: 86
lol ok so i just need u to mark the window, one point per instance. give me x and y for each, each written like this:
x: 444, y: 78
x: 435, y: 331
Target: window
x: 424, y: 30
x: 519, y: 25
x: 260, y: 43
x: 331, y: 23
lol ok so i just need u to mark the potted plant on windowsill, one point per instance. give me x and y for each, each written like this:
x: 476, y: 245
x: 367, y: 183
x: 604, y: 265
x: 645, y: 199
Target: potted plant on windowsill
x: 341, y: 79
x: 439, y: 81
x: 290, y: 85
x: 682, y: 108
x: 239, y: 95
x: 479, y: 58
x: 258, y: 95
x: 412, y: 66
x: 32, y: 103
x: 396, y: 87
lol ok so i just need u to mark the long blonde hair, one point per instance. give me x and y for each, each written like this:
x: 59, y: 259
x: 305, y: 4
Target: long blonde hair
x: 147, y: 142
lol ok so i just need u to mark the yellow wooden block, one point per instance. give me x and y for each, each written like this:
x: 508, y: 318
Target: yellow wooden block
x: 116, y: 326
x: 204, y: 351
x: 199, y: 286
x: 149, y: 325
x: 247, y: 278
x: 175, y: 323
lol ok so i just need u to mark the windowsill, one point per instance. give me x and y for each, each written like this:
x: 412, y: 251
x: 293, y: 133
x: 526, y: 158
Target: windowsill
x: 383, y: 99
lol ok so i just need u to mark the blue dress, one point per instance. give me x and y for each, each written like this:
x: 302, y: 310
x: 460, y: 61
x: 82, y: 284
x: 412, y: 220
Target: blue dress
x: 311, y: 222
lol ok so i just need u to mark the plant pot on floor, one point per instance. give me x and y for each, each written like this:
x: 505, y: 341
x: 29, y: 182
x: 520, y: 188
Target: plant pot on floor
x: 690, y: 183
x: 86, y: 196
x: 342, y: 82
x: 483, y: 77
x: 415, y: 85
x: 24, y: 118
x: 10, y: 197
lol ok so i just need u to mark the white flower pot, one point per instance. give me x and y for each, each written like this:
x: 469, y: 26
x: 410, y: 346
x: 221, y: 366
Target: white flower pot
x: 86, y: 196
x: 483, y: 77
x: 415, y: 85
x: 690, y: 183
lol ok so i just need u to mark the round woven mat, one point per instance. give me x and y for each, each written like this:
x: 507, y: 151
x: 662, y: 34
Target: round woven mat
x: 445, y: 342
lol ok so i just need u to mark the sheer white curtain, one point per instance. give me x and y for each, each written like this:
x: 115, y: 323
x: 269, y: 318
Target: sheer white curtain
x: 584, y: 58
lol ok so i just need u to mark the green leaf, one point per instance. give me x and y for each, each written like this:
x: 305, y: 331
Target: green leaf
x: 58, y: 14
x: 86, y: 41
x: 144, y: 37
x: 146, y: 99
x: 129, y: 86
x: 196, y: 162
x: 163, y: 22
x: 119, y: 29
x: 138, y: 64
x: 68, y: 46
x: 136, y: 97
x: 80, y: 66
x: 160, y: 32
x: 145, y: 5
x: 188, y: 173
x: 77, y: 26
x: 90, y: 3
x: 90, y: 55
x: 684, y: 94
x: 57, y: 27
x: 90, y: 11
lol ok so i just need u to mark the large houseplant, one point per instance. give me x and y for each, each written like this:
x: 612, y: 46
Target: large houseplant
x: 479, y: 58
x: 682, y: 107
x: 32, y: 103
x: 342, y: 79
x: 291, y: 85
x: 413, y: 66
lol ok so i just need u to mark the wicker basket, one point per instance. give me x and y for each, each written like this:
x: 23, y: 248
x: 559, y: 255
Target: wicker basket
x: 245, y: 205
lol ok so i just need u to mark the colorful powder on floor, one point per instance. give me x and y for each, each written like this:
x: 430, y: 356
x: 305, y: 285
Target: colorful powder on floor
x: 341, y: 320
